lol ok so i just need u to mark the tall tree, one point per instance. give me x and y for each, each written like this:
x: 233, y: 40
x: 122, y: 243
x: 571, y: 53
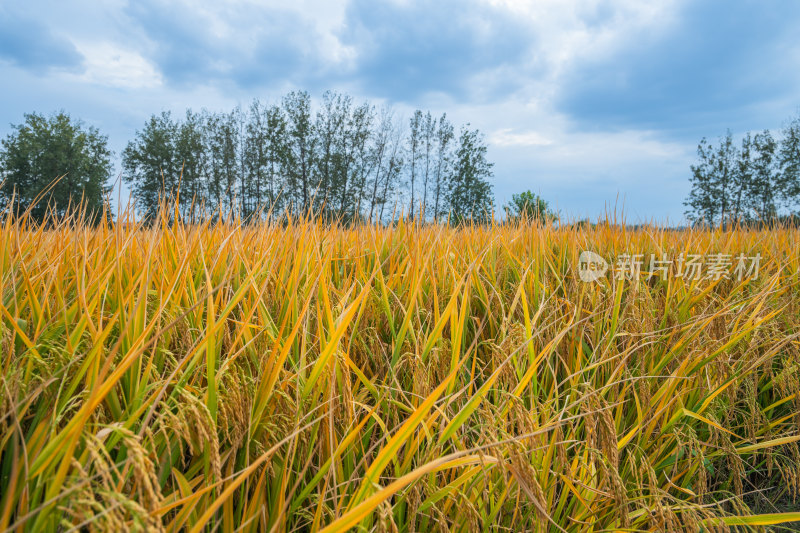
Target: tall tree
x: 266, y: 155
x: 190, y: 152
x: 352, y: 161
x: 742, y: 182
x: 214, y: 187
x: 244, y: 195
x: 43, y: 149
x: 789, y: 161
x: 222, y: 138
x: 149, y: 164
x: 302, y: 147
x: 766, y: 182
x: 414, y: 142
x: 228, y: 135
x: 444, y: 138
x: 725, y: 164
x: 713, y: 182
x: 330, y: 129
x: 470, y: 190
x: 428, y: 141
x: 277, y: 151
x: 394, y: 167
x: 380, y: 147
x: 254, y: 154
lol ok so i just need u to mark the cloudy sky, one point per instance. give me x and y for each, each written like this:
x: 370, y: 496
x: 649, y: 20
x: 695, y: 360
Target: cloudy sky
x: 590, y: 103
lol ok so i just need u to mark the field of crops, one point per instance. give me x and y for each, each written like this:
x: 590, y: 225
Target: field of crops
x: 296, y: 377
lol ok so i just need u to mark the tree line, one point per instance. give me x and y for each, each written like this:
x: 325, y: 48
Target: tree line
x: 346, y: 161
x: 754, y: 182
x: 341, y: 160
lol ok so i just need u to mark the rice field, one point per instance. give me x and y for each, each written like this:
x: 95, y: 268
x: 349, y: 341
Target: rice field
x: 303, y: 377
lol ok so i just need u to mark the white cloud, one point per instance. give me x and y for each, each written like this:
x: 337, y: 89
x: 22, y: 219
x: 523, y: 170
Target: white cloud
x: 571, y: 31
x: 107, y: 64
x: 240, y: 23
x: 508, y: 137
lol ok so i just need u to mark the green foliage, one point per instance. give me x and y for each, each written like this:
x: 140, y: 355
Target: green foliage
x: 345, y: 163
x: 757, y: 183
x: 715, y: 182
x: 302, y: 148
x: 789, y: 161
x: 149, y: 162
x: 266, y: 149
x: 342, y: 164
x: 765, y: 185
x: 470, y: 191
x: 444, y: 137
x: 44, y: 149
x: 528, y: 206
x: 190, y: 153
x: 223, y: 144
